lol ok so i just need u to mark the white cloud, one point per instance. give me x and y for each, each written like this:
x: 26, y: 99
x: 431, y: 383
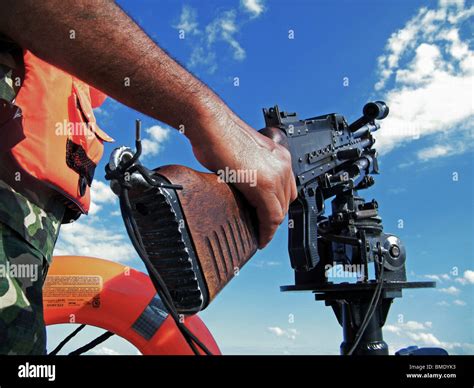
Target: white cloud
x: 86, y: 239
x: 433, y: 152
x: 255, y: 7
x: 443, y: 303
x: 188, y: 21
x: 445, y: 3
x: 429, y: 339
x: 279, y: 332
x: 203, y: 57
x: 101, y: 192
x: 264, y: 263
x: 439, y: 150
x: 450, y: 290
x: 410, y: 326
x: 467, y: 278
x: 424, y: 338
x: 414, y: 325
x: 273, y: 263
x: 419, y: 333
x: 427, y: 59
x: 224, y: 28
x: 459, y: 302
x: 153, y: 145
x: 433, y: 277
x: 91, y: 235
x: 439, y: 278
x: 104, y: 351
x: 392, y: 329
x: 94, y: 208
x: 425, y: 76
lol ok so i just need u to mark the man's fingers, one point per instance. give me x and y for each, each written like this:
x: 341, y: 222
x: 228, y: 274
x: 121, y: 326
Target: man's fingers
x: 271, y: 212
x: 291, y: 192
x: 270, y: 216
x: 294, y: 190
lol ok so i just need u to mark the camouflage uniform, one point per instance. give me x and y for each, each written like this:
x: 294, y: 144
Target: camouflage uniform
x: 29, y: 227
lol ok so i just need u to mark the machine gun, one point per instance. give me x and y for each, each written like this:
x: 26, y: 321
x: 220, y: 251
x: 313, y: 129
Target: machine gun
x: 328, y: 157
x: 194, y: 232
x: 334, y: 159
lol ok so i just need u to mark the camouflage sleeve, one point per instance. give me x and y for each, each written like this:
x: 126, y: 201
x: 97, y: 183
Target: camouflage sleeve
x: 28, y: 233
x: 37, y: 226
x: 22, y: 329
x: 7, y: 92
x: 9, y: 60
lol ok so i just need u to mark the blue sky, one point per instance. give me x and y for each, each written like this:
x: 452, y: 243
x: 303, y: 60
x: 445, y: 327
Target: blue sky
x: 417, y: 55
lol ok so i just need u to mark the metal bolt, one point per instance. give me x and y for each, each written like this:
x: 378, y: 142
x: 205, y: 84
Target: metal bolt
x: 394, y: 251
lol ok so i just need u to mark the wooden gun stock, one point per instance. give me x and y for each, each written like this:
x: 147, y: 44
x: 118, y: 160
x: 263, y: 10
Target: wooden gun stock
x: 221, y: 224
x: 199, y: 237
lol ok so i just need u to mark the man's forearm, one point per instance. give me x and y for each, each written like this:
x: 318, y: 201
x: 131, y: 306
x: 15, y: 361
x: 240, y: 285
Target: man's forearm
x: 97, y: 42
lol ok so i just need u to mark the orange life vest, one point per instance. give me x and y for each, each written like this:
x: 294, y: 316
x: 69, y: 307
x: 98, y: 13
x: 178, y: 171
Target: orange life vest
x: 60, y: 144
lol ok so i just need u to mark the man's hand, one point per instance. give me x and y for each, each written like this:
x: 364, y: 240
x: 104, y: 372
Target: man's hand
x: 233, y: 144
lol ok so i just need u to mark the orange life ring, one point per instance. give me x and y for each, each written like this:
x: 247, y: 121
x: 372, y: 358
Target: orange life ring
x: 119, y: 299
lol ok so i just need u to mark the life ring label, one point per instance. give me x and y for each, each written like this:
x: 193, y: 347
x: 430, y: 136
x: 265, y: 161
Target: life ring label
x: 61, y: 291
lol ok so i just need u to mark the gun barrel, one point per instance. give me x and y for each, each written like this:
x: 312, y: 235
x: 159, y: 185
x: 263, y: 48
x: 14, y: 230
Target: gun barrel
x: 371, y: 127
x: 377, y: 110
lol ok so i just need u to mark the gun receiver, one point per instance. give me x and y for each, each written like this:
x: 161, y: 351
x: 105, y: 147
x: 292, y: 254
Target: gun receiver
x: 328, y: 157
